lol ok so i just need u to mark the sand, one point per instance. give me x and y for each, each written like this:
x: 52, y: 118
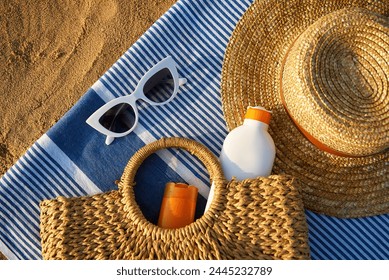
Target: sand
x: 51, y: 52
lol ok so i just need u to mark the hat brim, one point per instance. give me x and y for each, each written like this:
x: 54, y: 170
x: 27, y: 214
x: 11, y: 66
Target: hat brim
x: 334, y: 185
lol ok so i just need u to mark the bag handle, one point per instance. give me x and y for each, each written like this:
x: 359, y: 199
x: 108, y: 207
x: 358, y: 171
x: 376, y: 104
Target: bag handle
x: 210, y: 161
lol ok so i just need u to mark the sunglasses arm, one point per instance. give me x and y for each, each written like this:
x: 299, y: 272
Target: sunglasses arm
x: 181, y: 81
x: 109, y: 140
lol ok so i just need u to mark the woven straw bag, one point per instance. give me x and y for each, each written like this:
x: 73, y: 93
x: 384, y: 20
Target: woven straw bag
x: 259, y: 218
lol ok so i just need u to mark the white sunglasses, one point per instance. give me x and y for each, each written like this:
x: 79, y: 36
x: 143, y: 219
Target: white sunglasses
x: 119, y: 116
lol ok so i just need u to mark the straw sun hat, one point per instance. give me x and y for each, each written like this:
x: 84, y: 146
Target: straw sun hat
x: 322, y: 67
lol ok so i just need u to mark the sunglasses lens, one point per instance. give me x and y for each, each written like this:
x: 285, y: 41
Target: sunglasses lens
x: 118, y: 119
x: 160, y: 87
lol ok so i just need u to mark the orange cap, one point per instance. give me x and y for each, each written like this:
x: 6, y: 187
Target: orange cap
x: 178, y: 205
x: 258, y: 114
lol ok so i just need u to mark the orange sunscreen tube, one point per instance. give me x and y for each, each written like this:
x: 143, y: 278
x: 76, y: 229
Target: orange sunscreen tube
x: 178, y: 205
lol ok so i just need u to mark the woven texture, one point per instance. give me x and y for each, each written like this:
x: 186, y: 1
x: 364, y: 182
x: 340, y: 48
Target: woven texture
x: 338, y: 68
x: 259, y: 218
x: 323, y: 72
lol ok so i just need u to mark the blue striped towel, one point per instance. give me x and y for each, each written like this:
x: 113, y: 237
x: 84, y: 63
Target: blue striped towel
x: 71, y: 159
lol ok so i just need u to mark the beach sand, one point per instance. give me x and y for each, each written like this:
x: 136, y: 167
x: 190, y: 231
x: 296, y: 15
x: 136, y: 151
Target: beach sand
x: 51, y: 52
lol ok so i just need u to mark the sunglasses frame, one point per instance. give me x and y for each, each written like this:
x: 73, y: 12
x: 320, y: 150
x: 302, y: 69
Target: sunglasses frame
x: 94, y: 119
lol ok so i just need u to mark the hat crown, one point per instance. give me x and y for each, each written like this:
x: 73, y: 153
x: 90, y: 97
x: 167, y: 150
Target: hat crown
x: 335, y: 82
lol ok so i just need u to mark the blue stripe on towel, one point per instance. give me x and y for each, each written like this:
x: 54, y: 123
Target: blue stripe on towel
x: 72, y: 159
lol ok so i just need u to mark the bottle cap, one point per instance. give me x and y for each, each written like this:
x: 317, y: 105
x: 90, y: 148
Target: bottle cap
x: 259, y: 114
x: 180, y: 190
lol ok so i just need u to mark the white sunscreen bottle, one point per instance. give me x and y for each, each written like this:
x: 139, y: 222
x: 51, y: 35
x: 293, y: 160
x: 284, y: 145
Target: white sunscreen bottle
x: 248, y: 150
